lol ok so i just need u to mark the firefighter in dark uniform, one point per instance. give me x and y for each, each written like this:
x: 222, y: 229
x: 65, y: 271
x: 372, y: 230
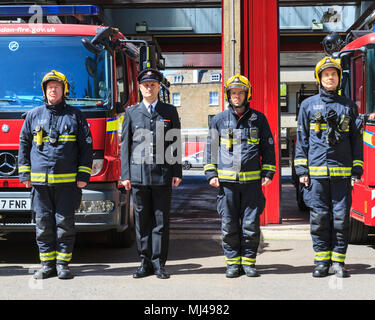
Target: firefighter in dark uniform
x: 55, y: 158
x: 150, y: 166
x: 329, y: 161
x: 240, y: 160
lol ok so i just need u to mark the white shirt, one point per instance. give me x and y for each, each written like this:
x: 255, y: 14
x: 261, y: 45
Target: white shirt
x: 148, y: 105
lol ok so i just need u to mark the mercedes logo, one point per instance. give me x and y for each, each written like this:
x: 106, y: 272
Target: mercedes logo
x: 5, y: 128
x: 8, y: 164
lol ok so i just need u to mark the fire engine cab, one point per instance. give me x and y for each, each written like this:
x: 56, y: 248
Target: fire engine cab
x: 101, y: 67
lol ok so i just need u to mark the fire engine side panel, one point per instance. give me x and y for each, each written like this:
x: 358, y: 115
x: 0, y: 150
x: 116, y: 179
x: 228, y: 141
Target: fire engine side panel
x: 260, y: 63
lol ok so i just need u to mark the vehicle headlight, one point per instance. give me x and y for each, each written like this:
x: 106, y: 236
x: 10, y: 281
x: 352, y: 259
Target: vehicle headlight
x: 96, y: 206
x: 97, y: 166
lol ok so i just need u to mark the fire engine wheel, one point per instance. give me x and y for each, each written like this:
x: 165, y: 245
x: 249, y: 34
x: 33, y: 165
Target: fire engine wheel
x: 124, y: 239
x: 358, y: 231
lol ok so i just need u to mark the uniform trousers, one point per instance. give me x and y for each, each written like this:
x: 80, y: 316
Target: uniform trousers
x: 329, y: 201
x: 151, y: 209
x: 240, y: 207
x: 54, y: 208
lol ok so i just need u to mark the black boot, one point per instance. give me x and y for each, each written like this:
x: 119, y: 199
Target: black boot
x: 320, y: 271
x: 250, y: 271
x: 45, y: 272
x: 233, y: 271
x: 63, y: 272
x: 339, y: 270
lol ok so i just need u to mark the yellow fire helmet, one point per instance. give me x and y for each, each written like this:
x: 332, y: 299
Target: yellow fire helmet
x: 325, y: 63
x: 238, y: 81
x: 55, y: 76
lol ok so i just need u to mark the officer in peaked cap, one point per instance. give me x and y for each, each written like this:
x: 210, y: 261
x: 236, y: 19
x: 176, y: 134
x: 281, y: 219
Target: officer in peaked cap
x: 149, y: 74
x: 148, y: 173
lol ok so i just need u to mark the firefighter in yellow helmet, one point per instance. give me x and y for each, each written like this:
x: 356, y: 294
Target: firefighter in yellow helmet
x: 240, y: 159
x: 55, y: 159
x: 328, y: 161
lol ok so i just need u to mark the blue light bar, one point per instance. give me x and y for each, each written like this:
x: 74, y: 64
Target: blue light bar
x: 87, y: 10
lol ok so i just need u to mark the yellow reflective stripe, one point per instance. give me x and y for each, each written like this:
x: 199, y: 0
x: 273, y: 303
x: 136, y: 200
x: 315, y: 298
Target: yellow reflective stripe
x: 253, y: 141
x: 84, y: 169
x: 67, y: 138
x: 38, y: 177
x: 61, y: 178
x: 269, y: 167
x: 112, y: 125
x: 358, y: 163
x: 24, y: 169
x: 323, y: 126
x: 227, y: 174
x: 236, y: 260
x: 340, y: 171
x: 227, y: 142
x: 249, y: 175
x: 63, y: 256
x: 322, y: 256
x: 248, y: 261
x: 318, y: 171
x: 209, y: 167
x: 47, y: 256
x: 339, y: 257
x: 300, y: 162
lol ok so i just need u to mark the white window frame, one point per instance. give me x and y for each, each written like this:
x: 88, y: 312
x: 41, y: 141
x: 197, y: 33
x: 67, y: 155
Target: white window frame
x: 213, y: 97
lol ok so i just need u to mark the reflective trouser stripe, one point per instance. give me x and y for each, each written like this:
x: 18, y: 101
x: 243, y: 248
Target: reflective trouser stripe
x: 84, y: 169
x: 236, y: 260
x: 338, y: 257
x: 248, y: 261
x: 322, y: 256
x: 47, y: 256
x: 63, y: 256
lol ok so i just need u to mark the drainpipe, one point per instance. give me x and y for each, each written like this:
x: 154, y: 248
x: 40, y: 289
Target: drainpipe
x: 233, y: 40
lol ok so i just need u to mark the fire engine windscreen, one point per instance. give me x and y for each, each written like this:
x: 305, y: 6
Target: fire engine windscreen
x: 24, y: 60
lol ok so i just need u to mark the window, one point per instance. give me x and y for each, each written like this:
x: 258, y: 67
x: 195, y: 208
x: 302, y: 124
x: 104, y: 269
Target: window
x: 215, y: 77
x: 178, y: 79
x: 122, y: 79
x: 214, y: 98
x: 176, y: 99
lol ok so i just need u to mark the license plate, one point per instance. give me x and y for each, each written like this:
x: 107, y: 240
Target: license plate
x: 15, y: 204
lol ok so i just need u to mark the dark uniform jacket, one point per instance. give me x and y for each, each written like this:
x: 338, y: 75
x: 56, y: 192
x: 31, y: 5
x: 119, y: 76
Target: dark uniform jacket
x: 315, y: 157
x: 239, y: 150
x: 150, y: 150
x: 64, y: 159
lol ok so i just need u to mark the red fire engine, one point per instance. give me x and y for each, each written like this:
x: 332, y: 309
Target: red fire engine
x: 101, y: 66
x: 358, y: 62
